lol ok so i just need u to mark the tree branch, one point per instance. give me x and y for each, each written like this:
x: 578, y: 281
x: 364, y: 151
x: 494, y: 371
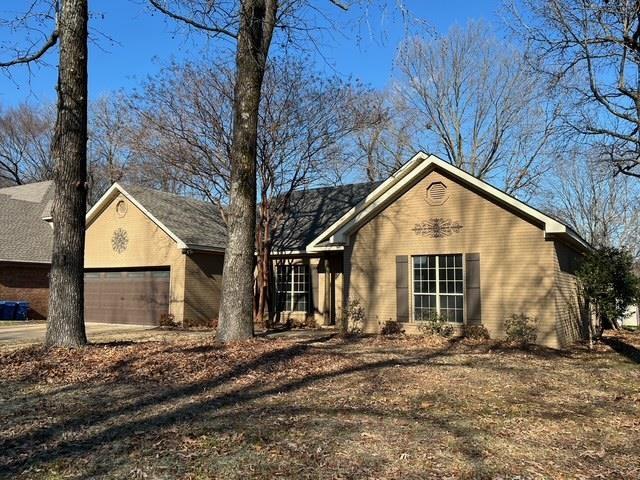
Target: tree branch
x: 53, y: 39
x: 340, y: 5
x: 191, y: 22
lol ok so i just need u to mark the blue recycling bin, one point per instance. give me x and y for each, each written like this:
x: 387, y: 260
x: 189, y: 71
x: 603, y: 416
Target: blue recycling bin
x: 8, y: 310
x: 22, y: 311
x: 2, y: 309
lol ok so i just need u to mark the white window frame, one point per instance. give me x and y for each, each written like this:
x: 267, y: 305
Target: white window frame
x: 291, y: 291
x: 437, y: 281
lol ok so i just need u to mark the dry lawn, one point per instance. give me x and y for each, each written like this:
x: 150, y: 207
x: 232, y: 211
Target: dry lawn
x: 186, y: 408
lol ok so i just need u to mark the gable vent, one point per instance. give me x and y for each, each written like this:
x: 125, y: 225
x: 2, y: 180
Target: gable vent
x: 437, y: 193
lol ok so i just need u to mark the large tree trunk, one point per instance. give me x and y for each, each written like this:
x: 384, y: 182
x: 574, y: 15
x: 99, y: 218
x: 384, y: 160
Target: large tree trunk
x: 65, y: 326
x: 257, y: 19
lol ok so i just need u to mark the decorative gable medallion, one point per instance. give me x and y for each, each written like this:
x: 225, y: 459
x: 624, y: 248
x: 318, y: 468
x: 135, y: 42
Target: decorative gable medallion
x: 119, y: 240
x: 437, y: 193
x: 437, y: 228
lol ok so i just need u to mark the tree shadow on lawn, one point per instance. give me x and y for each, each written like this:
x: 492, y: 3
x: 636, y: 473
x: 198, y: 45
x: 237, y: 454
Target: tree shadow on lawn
x: 32, y: 449
x: 36, y: 452
x: 623, y: 348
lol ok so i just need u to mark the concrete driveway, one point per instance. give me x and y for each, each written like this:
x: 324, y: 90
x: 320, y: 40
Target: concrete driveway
x: 21, y: 333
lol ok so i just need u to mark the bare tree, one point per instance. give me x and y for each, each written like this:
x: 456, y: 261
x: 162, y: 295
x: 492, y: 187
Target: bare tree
x: 590, y: 51
x: 305, y: 126
x: 109, y: 143
x: 32, y: 35
x: 387, y: 137
x: 479, y: 105
x: 250, y: 25
x: 65, y: 324
x: 25, y: 144
x: 183, y: 119
x: 600, y: 207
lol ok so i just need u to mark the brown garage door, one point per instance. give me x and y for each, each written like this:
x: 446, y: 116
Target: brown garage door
x: 135, y: 297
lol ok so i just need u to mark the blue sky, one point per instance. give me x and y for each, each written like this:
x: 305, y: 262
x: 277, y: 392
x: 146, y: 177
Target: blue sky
x: 143, y: 42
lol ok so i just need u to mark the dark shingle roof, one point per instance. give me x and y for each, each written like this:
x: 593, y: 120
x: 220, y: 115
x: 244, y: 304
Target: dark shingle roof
x: 24, y: 235
x: 310, y: 212
x: 195, y: 222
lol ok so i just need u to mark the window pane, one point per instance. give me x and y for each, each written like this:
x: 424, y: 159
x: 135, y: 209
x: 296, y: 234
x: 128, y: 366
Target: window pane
x: 292, y: 287
x: 446, y: 281
x: 300, y: 302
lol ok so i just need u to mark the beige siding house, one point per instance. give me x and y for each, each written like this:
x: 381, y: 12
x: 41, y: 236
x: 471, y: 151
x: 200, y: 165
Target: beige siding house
x: 432, y: 239
x: 150, y: 256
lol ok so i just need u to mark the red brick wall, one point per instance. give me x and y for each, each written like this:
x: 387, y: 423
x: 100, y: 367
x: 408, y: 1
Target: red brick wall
x: 28, y: 283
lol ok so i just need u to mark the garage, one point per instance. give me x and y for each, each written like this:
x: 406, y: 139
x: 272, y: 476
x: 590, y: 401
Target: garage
x: 127, y: 296
x: 150, y: 253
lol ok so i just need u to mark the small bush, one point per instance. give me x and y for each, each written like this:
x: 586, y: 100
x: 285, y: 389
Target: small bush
x: 521, y: 328
x: 168, y: 320
x: 476, y: 332
x: 436, y: 325
x: 391, y: 327
x: 353, y: 318
x: 308, y: 321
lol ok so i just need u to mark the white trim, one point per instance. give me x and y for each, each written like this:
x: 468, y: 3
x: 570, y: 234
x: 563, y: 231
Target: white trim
x: 287, y: 252
x: 204, y: 248
x: 421, y: 164
x: 111, y: 194
x: 39, y: 262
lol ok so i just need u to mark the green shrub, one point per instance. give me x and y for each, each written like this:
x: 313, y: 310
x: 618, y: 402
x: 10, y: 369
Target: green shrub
x: 609, y: 283
x: 391, y: 327
x: 436, y: 325
x: 521, y: 328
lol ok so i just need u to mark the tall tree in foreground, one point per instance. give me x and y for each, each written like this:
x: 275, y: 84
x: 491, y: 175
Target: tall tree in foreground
x: 257, y: 21
x: 251, y: 25
x: 65, y: 325
x: 305, y: 124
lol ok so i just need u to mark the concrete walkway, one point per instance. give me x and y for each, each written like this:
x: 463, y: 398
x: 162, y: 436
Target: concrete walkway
x: 19, y: 333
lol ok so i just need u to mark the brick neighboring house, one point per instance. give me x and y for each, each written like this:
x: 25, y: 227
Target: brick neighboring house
x: 26, y: 236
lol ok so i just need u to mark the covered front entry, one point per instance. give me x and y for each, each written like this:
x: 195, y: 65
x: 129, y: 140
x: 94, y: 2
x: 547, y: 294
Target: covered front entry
x: 126, y: 296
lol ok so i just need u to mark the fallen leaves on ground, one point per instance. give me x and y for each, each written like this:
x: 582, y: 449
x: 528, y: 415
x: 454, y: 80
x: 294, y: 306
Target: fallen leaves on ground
x: 357, y: 408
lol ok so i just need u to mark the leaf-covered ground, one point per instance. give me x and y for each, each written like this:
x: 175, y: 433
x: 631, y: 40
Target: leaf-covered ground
x: 320, y: 409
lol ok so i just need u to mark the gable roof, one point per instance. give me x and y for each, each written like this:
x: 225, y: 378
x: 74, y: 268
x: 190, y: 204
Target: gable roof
x: 310, y: 212
x: 25, y: 236
x: 337, y: 235
x: 191, y: 223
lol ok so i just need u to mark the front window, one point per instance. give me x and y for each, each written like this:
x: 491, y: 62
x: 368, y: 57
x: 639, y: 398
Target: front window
x: 438, y: 287
x: 292, y: 288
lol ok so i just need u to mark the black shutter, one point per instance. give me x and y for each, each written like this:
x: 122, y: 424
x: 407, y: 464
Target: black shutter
x: 472, y: 281
x: 314, y: 290
x: 402, y: 288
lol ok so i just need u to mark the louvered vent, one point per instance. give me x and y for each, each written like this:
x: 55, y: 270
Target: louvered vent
x: 437, y: 193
